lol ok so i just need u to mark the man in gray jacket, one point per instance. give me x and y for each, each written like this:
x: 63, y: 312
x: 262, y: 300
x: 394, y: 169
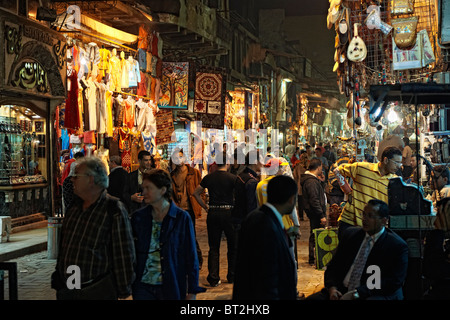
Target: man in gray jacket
x: 314, y: 200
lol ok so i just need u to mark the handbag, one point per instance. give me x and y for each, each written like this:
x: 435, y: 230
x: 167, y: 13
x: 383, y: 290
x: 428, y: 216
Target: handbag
x: 402, y: 7
x: 405, y: 31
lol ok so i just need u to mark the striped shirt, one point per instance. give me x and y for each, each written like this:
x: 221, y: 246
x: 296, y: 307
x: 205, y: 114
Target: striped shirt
x: 261, y: 194
x: 98, y: 242
x: 368, y: 183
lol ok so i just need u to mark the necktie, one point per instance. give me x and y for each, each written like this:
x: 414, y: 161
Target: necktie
x: 359, y: 265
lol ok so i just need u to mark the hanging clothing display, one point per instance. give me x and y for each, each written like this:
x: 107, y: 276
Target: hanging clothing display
x: 91, y: 92
x: 103, y: 65
x: 134, y: 76
x: 125, y: 148
x: 115, y: 73
x: 109, y: 116
x: 118, y: 107
x: 128, y: 113
x: 72, y: 120
x: 149, y: 142
x: 103, y: 154
x: 125, y: 67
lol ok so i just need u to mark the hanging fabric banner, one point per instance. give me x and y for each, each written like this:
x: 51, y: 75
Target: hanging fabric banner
x: 164, y: 126
x: 174, y: 85
x: 209, y: 104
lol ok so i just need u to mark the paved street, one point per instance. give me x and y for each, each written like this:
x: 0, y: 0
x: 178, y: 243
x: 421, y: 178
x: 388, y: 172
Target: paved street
x: 34, y: 271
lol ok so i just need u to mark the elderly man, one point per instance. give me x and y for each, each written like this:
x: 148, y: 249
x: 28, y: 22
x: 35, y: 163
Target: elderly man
x: 96, y: 256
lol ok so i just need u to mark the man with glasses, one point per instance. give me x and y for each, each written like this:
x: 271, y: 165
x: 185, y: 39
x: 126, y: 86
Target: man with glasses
x: 370, y: 181
x: 361, y: 253
x: 96, y: 238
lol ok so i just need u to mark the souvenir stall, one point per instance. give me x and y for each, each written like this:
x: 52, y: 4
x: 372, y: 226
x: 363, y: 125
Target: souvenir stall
x: 32, y: 84
x: 389, y: 64
x: 382, y: 43
x: 112, y: 102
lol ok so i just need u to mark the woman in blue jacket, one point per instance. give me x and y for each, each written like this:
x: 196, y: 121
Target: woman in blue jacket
x: 167, y: 264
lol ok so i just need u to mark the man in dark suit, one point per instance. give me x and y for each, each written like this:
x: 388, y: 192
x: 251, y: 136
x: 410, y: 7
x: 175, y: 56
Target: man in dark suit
x: 135, y: 200
x: 118, y: 179
x: 383, y: 268
x: 265, y: 267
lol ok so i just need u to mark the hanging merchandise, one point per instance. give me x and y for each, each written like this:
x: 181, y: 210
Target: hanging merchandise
x: 402, y: 7
x: 72, y: 119
x: 115, y: 72
x: 174, y: 85
x: 357, y: 50
x: 405, y: 31
x: 209, y: 101
x: 164, y: 126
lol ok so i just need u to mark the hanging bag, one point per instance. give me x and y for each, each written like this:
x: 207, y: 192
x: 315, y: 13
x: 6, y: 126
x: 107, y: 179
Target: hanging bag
x: 402, y: 7
x: 405, y: 32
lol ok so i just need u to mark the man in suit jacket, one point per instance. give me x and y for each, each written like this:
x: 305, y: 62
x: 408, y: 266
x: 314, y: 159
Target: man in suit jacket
x: 118, y: 179
x: 265, y: 267
x: 388, y: 252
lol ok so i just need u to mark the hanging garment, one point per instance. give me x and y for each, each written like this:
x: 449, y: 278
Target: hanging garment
x: 143, y: 37
x: 103, y: 65
x: 93, y: 52
x: 101, y: 107
x: 125, y: 148
x: 75, y: 58
x: 109, y: 116
x: 72, y: 120
x: 84, y: 69
x: 134, y: 75
x: 142, y: 59
x: 118, y: 108
x: 84, y: 85
x: 144, y: 115
x: 149, y: 142
x: 125, y: 66
x: 128, y: 113
x: 149, y: 62
x: 142, y: 85
x: 115, y: 74
x: 91, y: 92
x: 64, y: 140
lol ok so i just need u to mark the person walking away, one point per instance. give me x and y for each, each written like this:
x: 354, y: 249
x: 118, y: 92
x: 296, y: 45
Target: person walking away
x: 265, y: 267
x: 185, y: 179
x: 118, y: 177
x: 245, y: 189
x: 96, y: 237
x: 167, y: 263
x: 315, y: 202
x: 299, y: 169
x: 220, y: 185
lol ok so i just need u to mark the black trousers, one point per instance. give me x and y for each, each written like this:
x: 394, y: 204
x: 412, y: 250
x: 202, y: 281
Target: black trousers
x: 218, y: 221
x: 199, y: 251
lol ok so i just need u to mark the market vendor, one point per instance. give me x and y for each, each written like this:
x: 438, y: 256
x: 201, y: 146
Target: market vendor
x: 370, y: 181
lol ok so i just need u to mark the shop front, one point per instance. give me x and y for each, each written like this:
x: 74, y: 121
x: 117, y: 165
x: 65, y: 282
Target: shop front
x: 32, y: 84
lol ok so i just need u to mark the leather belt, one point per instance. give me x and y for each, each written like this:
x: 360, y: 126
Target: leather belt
x: 221, y: 207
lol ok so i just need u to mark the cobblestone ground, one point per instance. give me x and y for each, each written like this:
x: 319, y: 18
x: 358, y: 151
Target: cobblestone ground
x: 34, y: 271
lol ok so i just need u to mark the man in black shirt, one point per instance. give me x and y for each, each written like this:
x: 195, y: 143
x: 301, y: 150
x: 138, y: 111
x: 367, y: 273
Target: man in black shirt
x: 220, y: 185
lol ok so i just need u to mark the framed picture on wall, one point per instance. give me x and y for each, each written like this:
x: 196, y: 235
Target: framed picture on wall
x: 39, y: 126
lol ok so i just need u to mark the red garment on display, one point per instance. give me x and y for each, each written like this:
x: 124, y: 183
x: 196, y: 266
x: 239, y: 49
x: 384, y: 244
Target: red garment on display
x: 71, y: 117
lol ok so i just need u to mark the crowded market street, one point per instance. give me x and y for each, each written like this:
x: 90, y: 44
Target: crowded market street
x: 35, y: 269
